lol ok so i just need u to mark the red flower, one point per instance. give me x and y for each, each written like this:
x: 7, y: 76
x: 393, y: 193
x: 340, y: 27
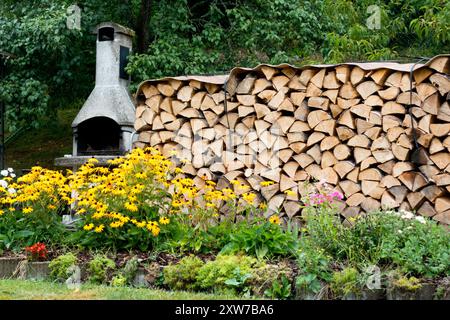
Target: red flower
x: 38, y: 251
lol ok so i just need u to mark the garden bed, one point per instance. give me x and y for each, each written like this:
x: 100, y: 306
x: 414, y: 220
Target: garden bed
x: 149, y: 273
x: 143, y: 223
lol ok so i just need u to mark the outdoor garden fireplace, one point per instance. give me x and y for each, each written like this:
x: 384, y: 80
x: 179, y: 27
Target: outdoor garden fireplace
x: 104, y: 126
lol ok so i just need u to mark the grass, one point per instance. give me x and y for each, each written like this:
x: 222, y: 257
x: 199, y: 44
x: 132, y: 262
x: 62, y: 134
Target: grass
x: 45, y: 290
x: 41, y: 146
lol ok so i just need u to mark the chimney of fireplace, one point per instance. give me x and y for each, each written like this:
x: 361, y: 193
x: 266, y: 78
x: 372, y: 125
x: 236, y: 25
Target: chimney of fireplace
x: 114, y: 43
x: 105, y: 123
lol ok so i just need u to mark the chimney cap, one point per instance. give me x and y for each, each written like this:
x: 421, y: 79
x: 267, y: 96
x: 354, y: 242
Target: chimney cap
x: 117, y: 28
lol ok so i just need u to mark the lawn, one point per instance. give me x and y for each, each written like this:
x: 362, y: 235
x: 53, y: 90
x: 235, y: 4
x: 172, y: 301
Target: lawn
x: 45, y: 290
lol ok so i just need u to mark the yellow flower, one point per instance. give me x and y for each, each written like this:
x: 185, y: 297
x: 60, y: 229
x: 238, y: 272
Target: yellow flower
x: 243, y: 187
x: 12, y: 209
x: 164, y: 220
x: 116, y: 224
x: 99, y: 228
x: 88, y: 226
x: 131, y: 206
x: 210, y: 183
x: 98, y: 215
x: 1, y: 212
x: 153, y: 227
x: 266, y: 183
x: 249, y: 197
x: 290, y: 193
x: 177, y: 203
x: 27, y: 210
x: 275, y: 219
x: 263, y: 206
x: 141, y: 175
x: 141, y: 224
x: 132, y: 198
x: 234, y: 182
x: 178, y: 170
x: 51, y: 206
x: 155, y: 231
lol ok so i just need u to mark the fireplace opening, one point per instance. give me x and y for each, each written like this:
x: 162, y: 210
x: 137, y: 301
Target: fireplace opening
x: 99, y: 136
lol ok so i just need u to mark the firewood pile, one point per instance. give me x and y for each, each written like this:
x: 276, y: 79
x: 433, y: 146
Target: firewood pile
x: 376, y: 132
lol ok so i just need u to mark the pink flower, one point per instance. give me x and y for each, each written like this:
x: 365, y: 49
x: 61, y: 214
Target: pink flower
x: 337, y: 195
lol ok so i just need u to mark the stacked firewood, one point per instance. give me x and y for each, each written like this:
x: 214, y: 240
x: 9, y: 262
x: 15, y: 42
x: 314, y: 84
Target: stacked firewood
x: 378, y: 135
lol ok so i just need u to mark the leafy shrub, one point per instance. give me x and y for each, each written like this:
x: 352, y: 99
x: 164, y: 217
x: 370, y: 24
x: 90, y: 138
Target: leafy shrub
x: 59, y: 267
x: 118, y: 281
x: 227, y: 273
x: 308, y: 286
x: 183, y: 275
x: 130, y: 269
x: 100, y: 268
x: 267, y: 274
x: 189, y: 238
x: 415, y: 244
x: 315, y: 268
x: 280, y: 289
x: 409, y: 284
x: 345, y: 282
x: 262, y: 239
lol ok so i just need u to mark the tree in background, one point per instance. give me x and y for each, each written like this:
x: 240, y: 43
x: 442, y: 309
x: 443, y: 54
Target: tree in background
x: 55, y: 65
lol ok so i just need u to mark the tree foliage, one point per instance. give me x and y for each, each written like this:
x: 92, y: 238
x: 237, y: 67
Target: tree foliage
x: 54, y: 65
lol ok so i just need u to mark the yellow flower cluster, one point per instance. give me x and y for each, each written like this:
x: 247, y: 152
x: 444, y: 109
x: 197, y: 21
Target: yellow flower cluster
x: 130, y: 193
x: 40, y: 189
x: 140, y: 190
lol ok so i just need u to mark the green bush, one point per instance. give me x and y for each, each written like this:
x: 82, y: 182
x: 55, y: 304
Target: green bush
x: 409, y: 284
x: 118, y: 281
x: 130, y: 269
x: 227, y: 273
x: 194, y: 239
x: 345, y: 282
x: 416, y: 245
x: 279, y: 289
x: 100, y: 268
x: 18, y: 230
x: 183, y: 275
x: 266, y: 275
x: 59, y: 267
x: 315, y: 268
x: 262, y: 239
